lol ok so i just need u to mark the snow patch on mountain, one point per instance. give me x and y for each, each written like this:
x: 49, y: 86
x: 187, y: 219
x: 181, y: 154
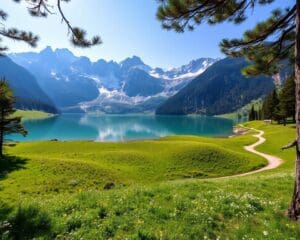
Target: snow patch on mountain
x: 189, y: 71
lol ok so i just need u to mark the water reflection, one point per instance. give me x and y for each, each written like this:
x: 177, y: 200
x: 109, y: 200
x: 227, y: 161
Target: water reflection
x: 122, y: 127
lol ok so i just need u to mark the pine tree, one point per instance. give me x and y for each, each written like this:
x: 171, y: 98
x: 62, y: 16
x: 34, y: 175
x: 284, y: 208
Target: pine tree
x: 266, y: 107
x: 260, y: 114
x: 274, y: 106
x: 267, y: 45
x: 252, y: 114
x: 287, y: 99
x: 8, y: 124
x: 271, y: 107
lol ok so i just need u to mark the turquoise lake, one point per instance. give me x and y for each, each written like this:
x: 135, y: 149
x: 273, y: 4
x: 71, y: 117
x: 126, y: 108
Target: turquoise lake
x: 122, y: 127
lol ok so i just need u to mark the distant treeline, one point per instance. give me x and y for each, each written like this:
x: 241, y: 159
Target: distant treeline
x: 279, y: 105
x: 33, y: 104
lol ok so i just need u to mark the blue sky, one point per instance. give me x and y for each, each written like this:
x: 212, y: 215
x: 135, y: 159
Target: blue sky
x: 128, y: 27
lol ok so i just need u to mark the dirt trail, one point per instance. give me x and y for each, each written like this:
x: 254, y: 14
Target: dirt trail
x: 273, y: 162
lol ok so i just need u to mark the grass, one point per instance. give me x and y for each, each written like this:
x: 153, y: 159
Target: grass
x: 233, y: 115
x: 60, y: 167
x: 32, y: 115
x: 149, y: 206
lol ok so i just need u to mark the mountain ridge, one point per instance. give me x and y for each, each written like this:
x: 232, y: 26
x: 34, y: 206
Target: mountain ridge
x: 109, y: 87
x: 232, y: 92
x: 28, y: 93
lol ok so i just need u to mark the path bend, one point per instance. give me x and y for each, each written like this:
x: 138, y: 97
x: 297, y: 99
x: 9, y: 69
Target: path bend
x: 273, y: 161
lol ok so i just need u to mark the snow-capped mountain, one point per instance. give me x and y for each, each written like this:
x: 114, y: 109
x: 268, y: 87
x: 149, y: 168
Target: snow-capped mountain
x: 77, y: 84
x: 189, y: 71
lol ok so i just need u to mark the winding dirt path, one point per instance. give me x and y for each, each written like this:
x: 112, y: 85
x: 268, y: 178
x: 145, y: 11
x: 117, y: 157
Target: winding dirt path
x: 273, y: 162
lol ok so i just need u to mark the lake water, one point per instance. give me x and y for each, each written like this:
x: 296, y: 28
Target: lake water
x: 122, y: 127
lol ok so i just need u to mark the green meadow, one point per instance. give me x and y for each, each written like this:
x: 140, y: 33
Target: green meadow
x: 154, y: 189
x: 32, y: 114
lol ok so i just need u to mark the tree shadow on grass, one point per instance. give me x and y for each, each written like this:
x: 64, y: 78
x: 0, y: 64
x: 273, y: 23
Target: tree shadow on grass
x: 5, y: 210
x: 25, y: 222
x: 9, y: 164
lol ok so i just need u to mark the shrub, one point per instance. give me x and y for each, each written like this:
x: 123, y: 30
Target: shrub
x: 102, y: 213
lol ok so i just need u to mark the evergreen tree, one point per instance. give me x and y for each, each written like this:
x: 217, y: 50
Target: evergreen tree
x: 260, y: 114
x: 252, y: 114
x: 271, y: 108
x: 287, y: 99
x: 266, y: 45
x: 274, y: 106
x: 266, y: 107
x: 8, y: 124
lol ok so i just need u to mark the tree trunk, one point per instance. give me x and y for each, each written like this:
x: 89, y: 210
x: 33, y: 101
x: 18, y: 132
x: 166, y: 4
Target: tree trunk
x: 1, y: 132
x: 1, y: 145
x: 1, y: 137
x: 294, y: 210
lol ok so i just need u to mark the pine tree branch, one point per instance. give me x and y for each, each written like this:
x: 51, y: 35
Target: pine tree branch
x: 63, y: 16
x: 282, y: 38
x: 3, y: 15
x: 290, y: 145
x: 177, y: 14
x: 280, y: 24
x: 78, y: 35
x: 15, y: 34
x: 194, y: 10
x: 40, y: 9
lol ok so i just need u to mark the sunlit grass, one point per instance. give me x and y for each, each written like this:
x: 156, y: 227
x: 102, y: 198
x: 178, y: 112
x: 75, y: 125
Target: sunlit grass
x: 150, y: 206
x: 32, y: 115
x: 56, y: 167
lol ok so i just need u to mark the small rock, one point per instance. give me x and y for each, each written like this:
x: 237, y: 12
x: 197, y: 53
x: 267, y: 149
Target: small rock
x: 109, y: 185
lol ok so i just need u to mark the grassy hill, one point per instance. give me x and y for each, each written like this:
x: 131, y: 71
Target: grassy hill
x: 32, y: 115
x: 52, y: 167
x: 59, y: 193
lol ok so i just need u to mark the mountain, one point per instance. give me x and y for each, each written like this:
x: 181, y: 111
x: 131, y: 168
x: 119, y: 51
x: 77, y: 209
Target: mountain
x: 78, y: 84
x: 28, y: 93
x: 54, y: 73
x: 133, y: 63
x: 220, y: 89
x: 189, y: 71
x: 133, y: 86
